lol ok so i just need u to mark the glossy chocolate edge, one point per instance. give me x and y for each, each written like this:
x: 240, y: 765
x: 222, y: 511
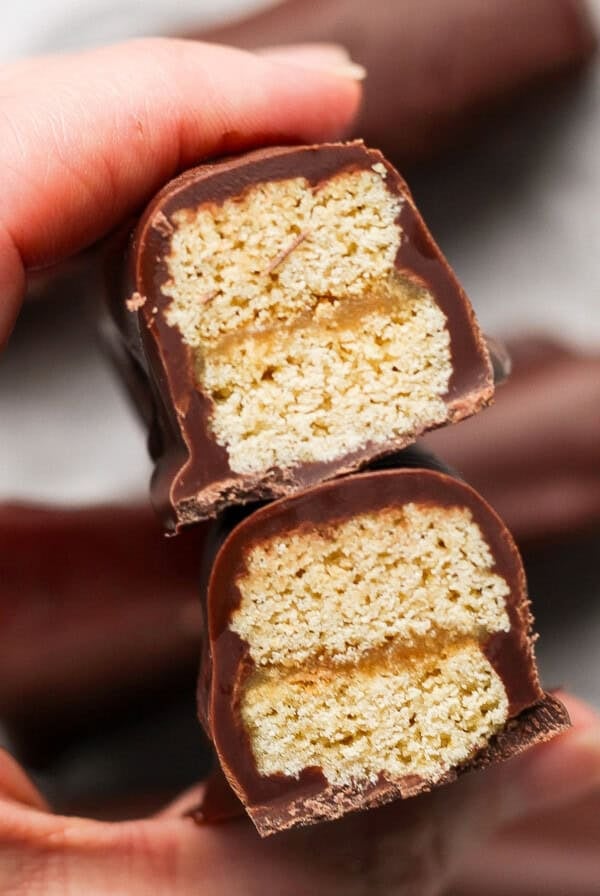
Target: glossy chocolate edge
x: 192, y: 478
x: 226, y: 661
x: 533, y: 726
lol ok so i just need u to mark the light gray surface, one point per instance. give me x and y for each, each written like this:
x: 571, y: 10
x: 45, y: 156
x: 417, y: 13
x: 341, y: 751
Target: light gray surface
x: 43, y: 26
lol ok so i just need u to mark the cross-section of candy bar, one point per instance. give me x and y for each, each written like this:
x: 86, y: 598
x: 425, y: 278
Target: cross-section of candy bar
x: 367, y: 640
x: 296, y: 320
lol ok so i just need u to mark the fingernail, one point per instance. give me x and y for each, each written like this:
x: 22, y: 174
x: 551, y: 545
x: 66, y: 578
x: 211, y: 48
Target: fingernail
x: 331, y: 58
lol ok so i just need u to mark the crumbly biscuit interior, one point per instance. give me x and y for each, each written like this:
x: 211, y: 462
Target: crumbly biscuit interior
x: 367, y: 639
x: 306, y: 339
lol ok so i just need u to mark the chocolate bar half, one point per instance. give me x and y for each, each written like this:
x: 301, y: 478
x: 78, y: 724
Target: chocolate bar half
x: 295, y: 320
x: 367, y: 640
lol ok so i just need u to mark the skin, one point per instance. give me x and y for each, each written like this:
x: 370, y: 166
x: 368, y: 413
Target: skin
x: 555, y: 854
x: 88, y: 138
x: 406, y: 848
x: 87, y: 141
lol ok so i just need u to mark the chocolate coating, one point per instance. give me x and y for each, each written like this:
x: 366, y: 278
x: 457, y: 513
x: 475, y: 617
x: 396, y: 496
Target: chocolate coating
x: 193, y: 479
x: 535, y: 725
x: 277, y: 802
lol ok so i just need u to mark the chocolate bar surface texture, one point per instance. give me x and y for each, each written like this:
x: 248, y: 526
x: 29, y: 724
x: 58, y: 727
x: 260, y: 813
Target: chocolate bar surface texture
x: 367, y: 640
x: 295, y: 320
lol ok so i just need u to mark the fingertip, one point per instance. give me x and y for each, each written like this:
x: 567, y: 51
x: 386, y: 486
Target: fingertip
x: 553, y: 774
x: 301, y: 93
x: 133, y: 115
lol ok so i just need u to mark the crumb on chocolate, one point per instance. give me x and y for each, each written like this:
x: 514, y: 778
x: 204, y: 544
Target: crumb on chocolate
x: 135, y: 302
x: 379, y: 168
x: 162, y: 225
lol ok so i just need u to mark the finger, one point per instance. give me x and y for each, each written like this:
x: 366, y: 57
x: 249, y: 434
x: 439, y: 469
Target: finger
x: 544, y: 778
x: 209, y: 802
x: 524, y: 868
x: 583, y: 716
x: 91, y: 136
x: 320, y: 56
x: 102, y: 604
x: 553, y: 852
x: 54, y: 855
x: 412, y: 845
x: 404, y: 848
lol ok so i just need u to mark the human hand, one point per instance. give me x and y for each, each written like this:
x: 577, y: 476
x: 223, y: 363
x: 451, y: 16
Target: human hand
x: 553, y: 851
x: 409, y: 848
